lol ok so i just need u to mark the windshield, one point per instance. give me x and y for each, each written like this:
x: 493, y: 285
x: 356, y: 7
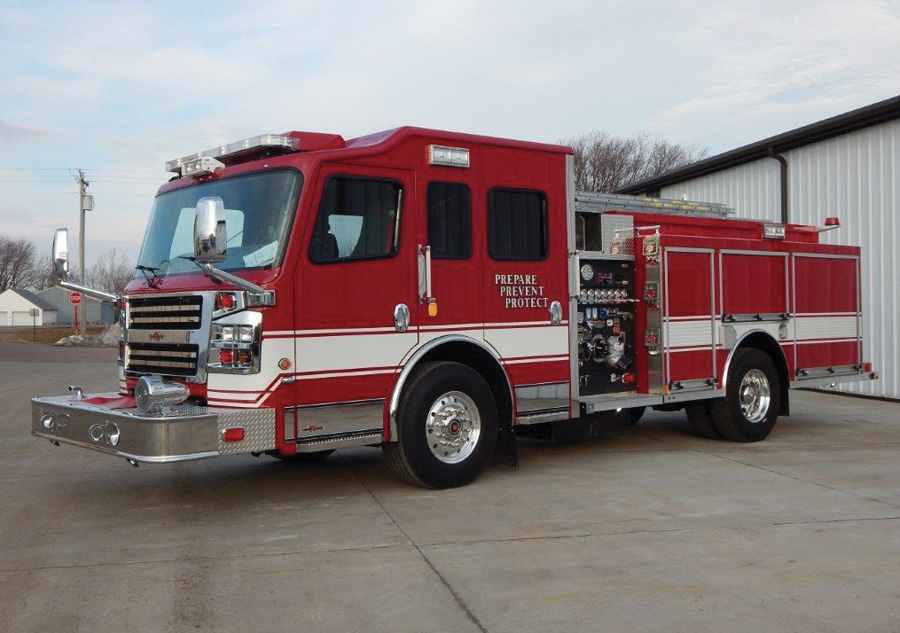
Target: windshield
x: 258, y: 211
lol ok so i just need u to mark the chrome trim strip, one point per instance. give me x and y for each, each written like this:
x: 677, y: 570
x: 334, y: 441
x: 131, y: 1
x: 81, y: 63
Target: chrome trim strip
x: 628, y: 400
x: 410, y: 364
x: 165, y: 459
x: 737, y: 346
x: 574, y: 285
x: 366, y: 437
x: 539, y: 417
x: 823, y: 381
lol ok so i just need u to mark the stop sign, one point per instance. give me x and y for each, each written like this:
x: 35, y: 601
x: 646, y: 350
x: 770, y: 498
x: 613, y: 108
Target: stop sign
x: 75, y: 298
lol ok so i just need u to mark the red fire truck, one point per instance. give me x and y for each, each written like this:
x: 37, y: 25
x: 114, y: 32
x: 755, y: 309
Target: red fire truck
x: 438, y: 293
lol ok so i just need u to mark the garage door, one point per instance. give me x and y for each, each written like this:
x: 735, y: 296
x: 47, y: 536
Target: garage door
x: 4, y: 318
x: 21, y: 318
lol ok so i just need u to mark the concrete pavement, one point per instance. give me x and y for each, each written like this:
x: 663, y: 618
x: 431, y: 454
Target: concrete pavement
x: 645, y: 530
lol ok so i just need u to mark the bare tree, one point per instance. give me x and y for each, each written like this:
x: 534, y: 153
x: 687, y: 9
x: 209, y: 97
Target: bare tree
x: 604, y: 162
x: 43, y: 276
x: 111, y: 272
x: 17, y: 263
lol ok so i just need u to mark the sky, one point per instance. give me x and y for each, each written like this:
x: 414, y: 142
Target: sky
x: 118, y: 88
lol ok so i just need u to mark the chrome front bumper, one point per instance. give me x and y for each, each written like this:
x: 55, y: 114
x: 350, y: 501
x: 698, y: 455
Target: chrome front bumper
x: 188, y: 432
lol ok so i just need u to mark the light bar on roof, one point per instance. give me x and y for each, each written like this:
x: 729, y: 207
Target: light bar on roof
x: 275, y: 141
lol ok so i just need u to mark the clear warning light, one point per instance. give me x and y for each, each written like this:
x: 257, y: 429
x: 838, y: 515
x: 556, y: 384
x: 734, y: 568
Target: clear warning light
x: 449, y: 156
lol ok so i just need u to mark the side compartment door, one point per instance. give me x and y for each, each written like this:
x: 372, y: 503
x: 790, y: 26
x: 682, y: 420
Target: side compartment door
x: 828, y: 320
x: 356, y: 293
x: 754, y: 297
x: 688, y: 318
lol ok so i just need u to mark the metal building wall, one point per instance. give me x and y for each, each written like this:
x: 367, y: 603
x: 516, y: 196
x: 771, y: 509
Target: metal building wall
x: 856, y: 177
x: 753, y: 189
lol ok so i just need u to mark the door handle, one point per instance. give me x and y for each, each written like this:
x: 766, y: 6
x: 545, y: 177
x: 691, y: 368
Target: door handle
x: 401, y: 317
x: 425, y: 295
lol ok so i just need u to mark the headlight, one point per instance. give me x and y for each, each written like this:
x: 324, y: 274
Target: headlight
x: 234, y: 348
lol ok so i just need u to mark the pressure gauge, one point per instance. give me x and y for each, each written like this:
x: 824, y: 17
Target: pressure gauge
x: 587, y: 272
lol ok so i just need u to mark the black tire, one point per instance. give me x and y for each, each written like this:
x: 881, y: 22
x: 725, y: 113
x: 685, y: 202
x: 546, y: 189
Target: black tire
x: 302, y: 457
x: 411, y: 458
x: 636, y: 414
x: 728, y: 417
x: 701, y: 422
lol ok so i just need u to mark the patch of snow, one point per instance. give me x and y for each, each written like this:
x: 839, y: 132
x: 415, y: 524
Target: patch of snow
x: 109, y: 338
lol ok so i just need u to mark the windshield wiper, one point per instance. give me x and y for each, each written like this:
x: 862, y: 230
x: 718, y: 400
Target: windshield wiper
x: 153, y: 280
x: 200, y: 266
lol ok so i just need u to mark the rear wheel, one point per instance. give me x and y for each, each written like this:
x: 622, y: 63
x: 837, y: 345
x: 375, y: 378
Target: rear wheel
x: 752, y: 399
x: 701, y: 420
x: 447, y: 427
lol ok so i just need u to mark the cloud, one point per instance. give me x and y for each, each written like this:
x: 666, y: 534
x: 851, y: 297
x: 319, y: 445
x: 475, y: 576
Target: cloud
x: 774, y: 75
x: 13, y: 133
x: 130, y: 85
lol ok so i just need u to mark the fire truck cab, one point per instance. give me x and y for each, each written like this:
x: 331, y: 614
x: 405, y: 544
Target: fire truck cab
x: 436, y: 293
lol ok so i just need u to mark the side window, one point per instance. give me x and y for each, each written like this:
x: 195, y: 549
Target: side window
x: 358, y: 219
x: 517, y: 224
x: 449, y: 220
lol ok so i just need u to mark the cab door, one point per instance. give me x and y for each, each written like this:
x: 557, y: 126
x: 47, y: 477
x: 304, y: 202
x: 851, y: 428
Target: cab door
x: 451, y: 300
x: 526, y: 295
x: 356, y: 294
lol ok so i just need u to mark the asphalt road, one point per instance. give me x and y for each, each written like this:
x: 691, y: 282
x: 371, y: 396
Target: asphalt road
x: 645, y: 530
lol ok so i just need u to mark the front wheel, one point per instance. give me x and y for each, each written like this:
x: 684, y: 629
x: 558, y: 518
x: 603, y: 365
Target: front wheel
x: 752, y: 399
x: 446, y: 428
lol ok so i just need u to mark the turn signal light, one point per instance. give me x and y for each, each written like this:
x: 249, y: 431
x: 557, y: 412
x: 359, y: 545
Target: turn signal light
x: 226, y: 356
x: 224, y: 300
x: 235, y: 434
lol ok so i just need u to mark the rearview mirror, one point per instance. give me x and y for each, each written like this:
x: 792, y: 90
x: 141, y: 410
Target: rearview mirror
x: 60, y: 255
x: 209, y: 231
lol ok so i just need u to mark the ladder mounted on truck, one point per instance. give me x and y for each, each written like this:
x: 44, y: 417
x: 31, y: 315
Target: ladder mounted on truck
x: 589, y: 202
x: 601, y: 233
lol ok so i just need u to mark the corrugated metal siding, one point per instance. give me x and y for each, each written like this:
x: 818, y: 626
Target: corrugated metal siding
x: 752, y: 189
x: 855, y: 177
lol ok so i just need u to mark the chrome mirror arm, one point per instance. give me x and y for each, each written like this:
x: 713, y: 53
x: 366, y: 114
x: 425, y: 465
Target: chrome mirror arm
x: 91, y: 292
x: 256, y: 295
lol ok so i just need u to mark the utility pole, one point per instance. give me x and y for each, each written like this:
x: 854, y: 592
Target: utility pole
x: 85, y: 203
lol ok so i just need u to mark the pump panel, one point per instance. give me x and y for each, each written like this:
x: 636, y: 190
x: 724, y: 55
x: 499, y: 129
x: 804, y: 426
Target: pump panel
x: 606, y: 314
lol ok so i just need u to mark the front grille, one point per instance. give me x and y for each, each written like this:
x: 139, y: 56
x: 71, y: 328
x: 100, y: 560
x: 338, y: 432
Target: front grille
x: 165, y: 313
x: 167, y: 358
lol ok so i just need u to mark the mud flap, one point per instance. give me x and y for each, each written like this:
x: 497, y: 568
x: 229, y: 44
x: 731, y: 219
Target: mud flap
x: 506, y: 453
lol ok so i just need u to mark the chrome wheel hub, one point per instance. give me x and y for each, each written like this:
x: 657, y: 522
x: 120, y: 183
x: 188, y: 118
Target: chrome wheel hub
x: 453, y: 427
x: 755, y: 396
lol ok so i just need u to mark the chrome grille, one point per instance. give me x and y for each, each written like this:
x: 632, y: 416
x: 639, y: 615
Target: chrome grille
x: 165, y: 313
x: 167, y: 358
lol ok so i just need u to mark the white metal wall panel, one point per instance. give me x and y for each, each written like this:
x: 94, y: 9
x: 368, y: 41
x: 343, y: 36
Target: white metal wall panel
x: 856, y: 177
x: 752, y: 189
